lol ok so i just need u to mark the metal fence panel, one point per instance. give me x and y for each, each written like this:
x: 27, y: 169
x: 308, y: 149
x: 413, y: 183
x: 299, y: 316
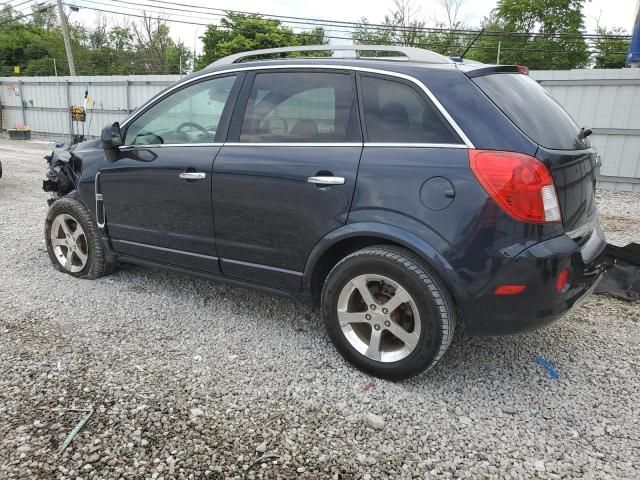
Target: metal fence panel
x: 43, y: 103
x: 608, y: 102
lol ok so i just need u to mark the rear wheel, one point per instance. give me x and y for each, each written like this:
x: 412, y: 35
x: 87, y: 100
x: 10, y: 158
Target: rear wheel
x: 387, y: 312
x: 73, y: 241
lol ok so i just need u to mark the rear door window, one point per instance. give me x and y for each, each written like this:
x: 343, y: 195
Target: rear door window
x: 298, y: 107
x: 532, y: 110
x: 395, y: 112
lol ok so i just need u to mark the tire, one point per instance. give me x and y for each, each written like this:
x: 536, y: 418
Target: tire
x: 67, y: 219
x: 412, y: 337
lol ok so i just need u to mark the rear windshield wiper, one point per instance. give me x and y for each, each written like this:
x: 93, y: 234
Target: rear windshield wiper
x: 584, y: 133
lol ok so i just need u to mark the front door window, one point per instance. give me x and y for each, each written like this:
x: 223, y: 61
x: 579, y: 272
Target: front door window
x: 190, y: 115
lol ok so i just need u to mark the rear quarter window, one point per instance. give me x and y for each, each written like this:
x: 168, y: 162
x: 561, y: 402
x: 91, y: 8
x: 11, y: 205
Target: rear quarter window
x: 532, y: 110
x: 396, y: 112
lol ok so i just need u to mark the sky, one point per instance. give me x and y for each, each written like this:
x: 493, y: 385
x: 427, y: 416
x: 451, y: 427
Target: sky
x: 611, y: 13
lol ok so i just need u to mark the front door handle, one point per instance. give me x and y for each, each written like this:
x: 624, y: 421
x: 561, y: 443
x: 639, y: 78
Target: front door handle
x: 193, y: 175
x: 326, y: 180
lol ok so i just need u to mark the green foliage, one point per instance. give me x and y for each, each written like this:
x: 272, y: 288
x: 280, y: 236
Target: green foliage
x: 35, y: 44
x: 610, y: 52
x: 239, y: 33
x: 542, y: 34
x: 513, y: 23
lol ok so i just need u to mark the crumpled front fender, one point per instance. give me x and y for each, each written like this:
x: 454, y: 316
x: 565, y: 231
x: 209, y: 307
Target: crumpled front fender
x: 63, y: 174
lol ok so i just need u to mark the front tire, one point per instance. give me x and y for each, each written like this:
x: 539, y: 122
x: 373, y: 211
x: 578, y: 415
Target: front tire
x: 387, y: 312
x: 73, y: 241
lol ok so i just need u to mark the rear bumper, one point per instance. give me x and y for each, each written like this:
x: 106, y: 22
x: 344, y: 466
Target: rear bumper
x: 540, y: 303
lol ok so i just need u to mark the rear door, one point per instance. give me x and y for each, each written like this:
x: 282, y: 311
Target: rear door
x: 286, y: 176
x: 570, y: 158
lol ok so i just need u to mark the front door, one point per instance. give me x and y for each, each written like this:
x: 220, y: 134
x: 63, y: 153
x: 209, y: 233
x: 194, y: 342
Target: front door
x: 157, y: 195
x: 286, y: 177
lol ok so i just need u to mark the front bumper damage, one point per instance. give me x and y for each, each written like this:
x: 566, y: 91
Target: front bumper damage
x: 62, y: 175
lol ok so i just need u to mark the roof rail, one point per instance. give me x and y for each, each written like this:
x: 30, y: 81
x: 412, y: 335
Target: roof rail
x: 413, y: 54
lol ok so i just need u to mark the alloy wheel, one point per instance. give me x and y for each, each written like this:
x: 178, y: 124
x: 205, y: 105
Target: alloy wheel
x: 379, y: 318
x: 69, y: 243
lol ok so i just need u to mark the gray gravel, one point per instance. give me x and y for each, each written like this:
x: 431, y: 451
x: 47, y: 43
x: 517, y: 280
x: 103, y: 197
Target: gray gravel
x: 620, y: 216
x: 189, y: 379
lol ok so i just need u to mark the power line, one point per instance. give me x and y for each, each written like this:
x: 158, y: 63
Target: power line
x: 316, y: 21
x: 336, y: 24
x: 331, y: 37
x: 13, y: 7
x: 44, y: 9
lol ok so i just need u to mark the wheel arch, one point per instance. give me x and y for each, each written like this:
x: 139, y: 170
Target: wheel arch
x: 352, y: 237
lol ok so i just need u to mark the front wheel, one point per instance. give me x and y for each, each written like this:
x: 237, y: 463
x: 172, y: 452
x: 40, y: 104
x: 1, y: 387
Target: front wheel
x: 387, y: 312
x: 73, y: 241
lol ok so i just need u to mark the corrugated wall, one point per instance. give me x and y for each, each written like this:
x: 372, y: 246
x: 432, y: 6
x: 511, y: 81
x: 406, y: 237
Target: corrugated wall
x: 607, y: 101
x: 43, y: 103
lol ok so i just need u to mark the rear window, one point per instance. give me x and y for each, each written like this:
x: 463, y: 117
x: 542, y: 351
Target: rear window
x: 533, y: 110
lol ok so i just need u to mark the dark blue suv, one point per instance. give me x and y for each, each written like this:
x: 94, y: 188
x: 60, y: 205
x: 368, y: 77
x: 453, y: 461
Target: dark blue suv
x: 401, y: 197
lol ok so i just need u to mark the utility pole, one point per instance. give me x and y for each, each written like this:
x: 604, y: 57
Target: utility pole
x: 633, y: 59
x: 498, y: 59
x: 67, y: 41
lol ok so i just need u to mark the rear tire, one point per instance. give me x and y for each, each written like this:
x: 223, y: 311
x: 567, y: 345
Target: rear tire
x: 401, y: 340
x: 73, y: 241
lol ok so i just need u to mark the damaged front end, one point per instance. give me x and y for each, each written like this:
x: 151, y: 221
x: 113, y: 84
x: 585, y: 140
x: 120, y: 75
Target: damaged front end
x: 63, y: 175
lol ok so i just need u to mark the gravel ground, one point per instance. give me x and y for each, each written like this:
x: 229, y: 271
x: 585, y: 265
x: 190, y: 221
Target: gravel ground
x: 189, y: 379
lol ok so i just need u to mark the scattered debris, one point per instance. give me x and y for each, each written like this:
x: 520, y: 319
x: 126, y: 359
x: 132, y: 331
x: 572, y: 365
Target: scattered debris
x: 197, y: 412
x: 76, y: 430
x: 375, y: 421
x: 548, y: 366
x: 622, y: 279
x: 369, y: 386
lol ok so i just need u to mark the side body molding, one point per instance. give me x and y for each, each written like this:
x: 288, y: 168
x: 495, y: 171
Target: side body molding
x: 390, y: 233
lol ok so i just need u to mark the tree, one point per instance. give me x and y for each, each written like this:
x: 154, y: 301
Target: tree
x: 452, y: 10
x: 542, y: 34
x: 610, y: 52
x: 44, y: 17
x: 239, y: 33
x: 402, y: 26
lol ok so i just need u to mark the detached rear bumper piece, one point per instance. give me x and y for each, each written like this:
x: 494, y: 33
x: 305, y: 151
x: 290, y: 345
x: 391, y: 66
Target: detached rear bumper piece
x: 556, y: 274
x: 622, y: 280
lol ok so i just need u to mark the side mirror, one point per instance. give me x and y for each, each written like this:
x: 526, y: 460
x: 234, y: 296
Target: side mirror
x: 111, y: 137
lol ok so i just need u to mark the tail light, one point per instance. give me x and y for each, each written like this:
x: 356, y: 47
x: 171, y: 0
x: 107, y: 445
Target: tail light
x: 521, y: 185
x: 523, y: 69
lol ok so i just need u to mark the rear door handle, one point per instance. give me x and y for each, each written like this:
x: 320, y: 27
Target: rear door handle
x: 323, y: 180
x: 193, y: 175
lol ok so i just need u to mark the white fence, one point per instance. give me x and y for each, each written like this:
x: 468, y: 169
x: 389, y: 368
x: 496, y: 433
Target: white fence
x: 43, y: 103
x: 607, y: 101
